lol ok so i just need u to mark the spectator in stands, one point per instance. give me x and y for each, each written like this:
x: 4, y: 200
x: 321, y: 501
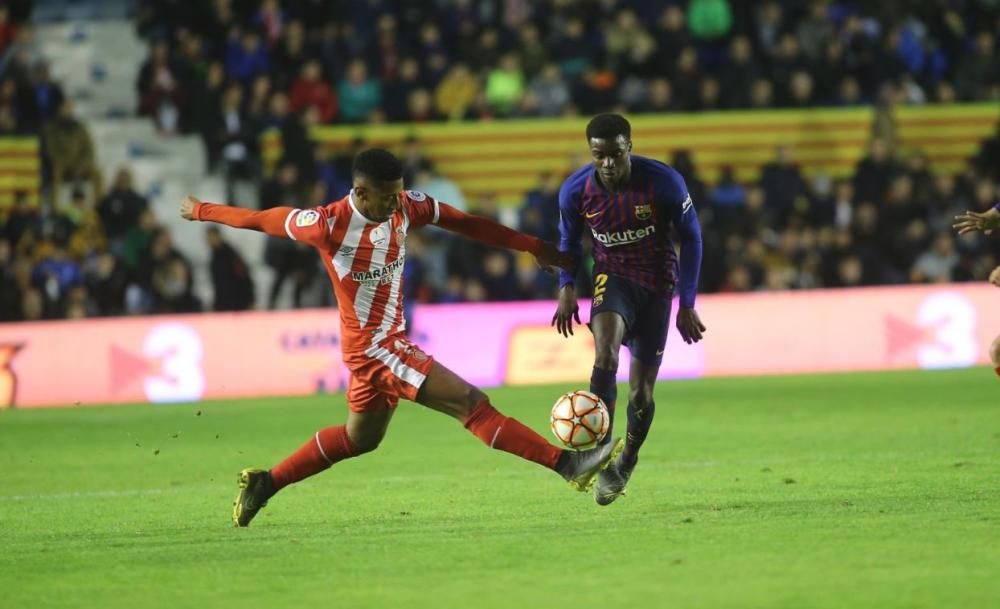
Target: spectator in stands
x: 659, y: 97
x: 172, y: 288
x: 987, y: 159
x: 570, y: 47
x: 283, y: 188
x: 290, y: 54
x: 232, y: 284
x: 359, y: 94
x: 413, y: 158
x: 784, y: 187
x: 55, y: 275
x: 978, y: 74
x: 709, y: 19
x: 246, y: 56
x: 7, y: 29
x: 873, y: 172
x: 728, y: 197
x: 48, y: 96
x: 671, y: 35
x: 539, y: 216
x: 815, y: 31
x: 739, y: 73
x: 234, y: 139
x: 10, y: 292
x: 204, y: 109
x: 70, y: 150
x: 937, y: 264
x: 439, y: 186
x: 531, y: 51
x: 121, y: 207
x: 310, y: 91
x: 107, y: 281
x: 550, y: 90
x: 456, y: 93
x: 21, y: 219
x: 135, y: 243
x: 159, y: 88
x: 505, y: 85
x: 399, y: 91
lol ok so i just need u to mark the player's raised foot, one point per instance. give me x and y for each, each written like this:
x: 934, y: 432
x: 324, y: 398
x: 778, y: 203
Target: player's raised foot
x: 581, y: 468
x: 612, y: 480
x: 255, y: 489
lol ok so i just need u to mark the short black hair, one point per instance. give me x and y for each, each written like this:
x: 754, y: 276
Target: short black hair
x: 608, y: 127
x: 378, y: 164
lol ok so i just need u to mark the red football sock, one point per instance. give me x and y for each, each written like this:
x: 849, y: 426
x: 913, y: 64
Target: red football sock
x: 998, y: 370
x: 328, y: 446
x: 510, y: 435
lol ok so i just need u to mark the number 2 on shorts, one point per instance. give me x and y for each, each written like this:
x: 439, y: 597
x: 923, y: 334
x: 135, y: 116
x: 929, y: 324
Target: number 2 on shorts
x: 600, y: 286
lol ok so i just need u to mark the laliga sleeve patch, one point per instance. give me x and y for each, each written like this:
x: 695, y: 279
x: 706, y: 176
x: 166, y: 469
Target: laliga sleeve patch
x: 306, y: 218
x: 415, y: 195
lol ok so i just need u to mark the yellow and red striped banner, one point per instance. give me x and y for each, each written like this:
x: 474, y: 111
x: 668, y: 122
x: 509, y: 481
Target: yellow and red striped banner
x: 20, y: 169
x: 507, y: 157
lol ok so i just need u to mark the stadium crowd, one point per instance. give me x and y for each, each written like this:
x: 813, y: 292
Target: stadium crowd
x: 229, y: 69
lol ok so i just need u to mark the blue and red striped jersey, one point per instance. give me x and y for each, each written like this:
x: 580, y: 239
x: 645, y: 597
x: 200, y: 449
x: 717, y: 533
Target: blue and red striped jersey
x: 631, y: 228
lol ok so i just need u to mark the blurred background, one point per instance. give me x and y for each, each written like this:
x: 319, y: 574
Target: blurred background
x: 825, y: 143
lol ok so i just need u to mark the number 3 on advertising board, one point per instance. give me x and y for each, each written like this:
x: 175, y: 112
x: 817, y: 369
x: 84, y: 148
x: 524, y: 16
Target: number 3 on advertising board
x: 179, y: 350
x: 953, y: 319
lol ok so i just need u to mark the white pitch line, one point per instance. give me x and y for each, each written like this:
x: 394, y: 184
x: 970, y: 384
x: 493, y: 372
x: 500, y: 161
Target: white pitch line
x: 84, y: 494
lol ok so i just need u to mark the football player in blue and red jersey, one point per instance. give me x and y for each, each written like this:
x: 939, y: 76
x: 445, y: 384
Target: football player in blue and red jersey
x: 629, y: 204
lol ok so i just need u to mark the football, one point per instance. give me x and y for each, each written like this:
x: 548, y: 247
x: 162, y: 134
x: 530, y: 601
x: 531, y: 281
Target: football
x: 579, y: 420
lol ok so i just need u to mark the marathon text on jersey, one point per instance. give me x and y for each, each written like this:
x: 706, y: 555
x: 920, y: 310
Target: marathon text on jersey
x: 380, y: 275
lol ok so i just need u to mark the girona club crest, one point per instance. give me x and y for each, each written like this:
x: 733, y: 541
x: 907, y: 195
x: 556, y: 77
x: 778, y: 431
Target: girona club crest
x: 411, y: 350
x: 8, y: 378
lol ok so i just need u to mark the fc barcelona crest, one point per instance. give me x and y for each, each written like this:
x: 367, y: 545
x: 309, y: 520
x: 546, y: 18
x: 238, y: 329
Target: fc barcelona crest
x: 644, y: 212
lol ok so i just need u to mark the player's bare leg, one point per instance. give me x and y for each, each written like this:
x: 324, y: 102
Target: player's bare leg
x: 608, y: 329
x: 446, y: 392
x: 362, y: 433
x: 612, y: 481
x: 995, y: 354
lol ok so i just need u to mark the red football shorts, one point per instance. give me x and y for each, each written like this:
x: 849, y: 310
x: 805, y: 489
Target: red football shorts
x: 393, y: 369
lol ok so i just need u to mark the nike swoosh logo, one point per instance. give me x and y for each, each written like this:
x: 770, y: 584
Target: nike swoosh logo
x: 660, y: 352
x: 589, y: 216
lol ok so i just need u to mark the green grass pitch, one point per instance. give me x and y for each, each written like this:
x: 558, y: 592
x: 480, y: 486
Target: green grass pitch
x: 846, y: 491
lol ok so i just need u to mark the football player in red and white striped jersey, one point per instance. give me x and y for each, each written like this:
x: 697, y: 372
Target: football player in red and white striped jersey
x: 362, y: 241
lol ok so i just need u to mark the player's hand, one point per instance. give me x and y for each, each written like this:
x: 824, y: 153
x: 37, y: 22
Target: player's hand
x: 187, y: 207
x: 995, y: 277
x: 566, y: 312
x: 971, y: 221
x: 690, y: 326
x: 550, y: 256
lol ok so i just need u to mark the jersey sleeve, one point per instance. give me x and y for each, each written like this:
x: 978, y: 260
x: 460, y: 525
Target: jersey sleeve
x: 684, y: 217
x: 421, y: 209
x: 313, y: 226
x: 570, y: 230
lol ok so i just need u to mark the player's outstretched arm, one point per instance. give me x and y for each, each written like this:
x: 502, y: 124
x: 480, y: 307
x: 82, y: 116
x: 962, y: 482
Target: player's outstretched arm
x: 971, y: 221
x: 271, y: 221
x: 493, y: 233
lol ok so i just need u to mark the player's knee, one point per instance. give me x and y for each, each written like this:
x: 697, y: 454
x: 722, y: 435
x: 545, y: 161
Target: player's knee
x: 470, y: 397
x: 606, y: 357
x: 995, y: 352
x: 366, y: 443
